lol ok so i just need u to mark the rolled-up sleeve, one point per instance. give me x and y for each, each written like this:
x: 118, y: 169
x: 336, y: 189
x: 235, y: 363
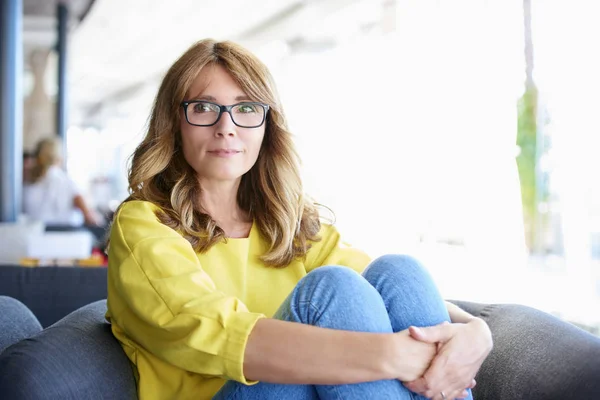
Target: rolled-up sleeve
x: 164, y: 301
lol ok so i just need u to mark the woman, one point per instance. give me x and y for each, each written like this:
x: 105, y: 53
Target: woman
x: 49, y: 195
x: 223, y: 282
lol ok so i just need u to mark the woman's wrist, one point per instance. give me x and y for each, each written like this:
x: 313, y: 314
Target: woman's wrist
x: 480, y: 323
x: 384, y: 354
x: 406, y: 358
x: 482, y: 327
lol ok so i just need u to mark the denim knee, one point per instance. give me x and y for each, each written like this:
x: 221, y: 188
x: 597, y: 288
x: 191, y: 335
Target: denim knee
x: 395, y: 265
x: 408, y: 291
x: 332, y: 274
x: 336, y: 297
x: 332, y: 281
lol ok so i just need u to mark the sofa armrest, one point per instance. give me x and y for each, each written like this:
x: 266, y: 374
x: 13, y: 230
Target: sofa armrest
x: 536, y: 356
x: 19, y: 318
x: 51, y: 293
x: 76, y: 358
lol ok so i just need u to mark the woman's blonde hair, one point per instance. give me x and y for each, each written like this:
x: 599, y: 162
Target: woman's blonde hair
x: 47, y: 153
x: 271, y: 192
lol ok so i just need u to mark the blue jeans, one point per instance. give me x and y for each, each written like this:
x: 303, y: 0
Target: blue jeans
x: 393, y: 293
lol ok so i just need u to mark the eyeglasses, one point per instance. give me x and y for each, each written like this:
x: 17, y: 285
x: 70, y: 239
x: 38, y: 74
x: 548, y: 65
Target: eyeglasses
x: 206, y: 113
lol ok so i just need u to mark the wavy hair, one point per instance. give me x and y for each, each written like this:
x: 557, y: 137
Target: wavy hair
x: 271, y: 192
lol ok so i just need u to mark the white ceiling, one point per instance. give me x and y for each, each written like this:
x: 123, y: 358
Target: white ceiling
x: 120, y: 47
x: 40, y: 22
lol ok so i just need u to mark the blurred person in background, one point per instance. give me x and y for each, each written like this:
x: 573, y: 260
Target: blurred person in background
x: 224, y: 283
x: 28, y: 164
x: 50, y: 195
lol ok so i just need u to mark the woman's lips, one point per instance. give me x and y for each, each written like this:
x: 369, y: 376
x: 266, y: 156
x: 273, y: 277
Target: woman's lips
x: 224, y: 153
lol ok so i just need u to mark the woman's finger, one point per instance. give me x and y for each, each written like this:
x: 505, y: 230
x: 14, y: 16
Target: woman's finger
x: 432, y: 334
x: 457, y: 394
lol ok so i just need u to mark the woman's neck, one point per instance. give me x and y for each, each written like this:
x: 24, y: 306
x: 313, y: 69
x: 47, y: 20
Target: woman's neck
x: 220, y: 202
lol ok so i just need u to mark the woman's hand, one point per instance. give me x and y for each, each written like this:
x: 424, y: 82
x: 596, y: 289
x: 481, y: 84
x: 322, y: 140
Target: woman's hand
x: 92, y: 218
x: 462, y: 348
x: 410, y: 357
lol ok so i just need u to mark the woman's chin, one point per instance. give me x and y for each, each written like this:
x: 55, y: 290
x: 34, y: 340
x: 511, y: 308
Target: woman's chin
x: 223, y: 176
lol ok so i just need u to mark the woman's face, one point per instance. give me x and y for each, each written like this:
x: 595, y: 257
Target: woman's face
x: 224, y: 151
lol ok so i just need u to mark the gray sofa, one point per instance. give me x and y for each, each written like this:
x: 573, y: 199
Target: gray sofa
x: 535, y: 355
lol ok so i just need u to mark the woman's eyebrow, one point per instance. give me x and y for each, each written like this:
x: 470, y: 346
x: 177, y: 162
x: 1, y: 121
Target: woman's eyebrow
x: 212, y: 98
x: 204, y: 97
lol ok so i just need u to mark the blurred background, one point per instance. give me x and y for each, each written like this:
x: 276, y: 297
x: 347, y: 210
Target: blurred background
x: 464, y: 133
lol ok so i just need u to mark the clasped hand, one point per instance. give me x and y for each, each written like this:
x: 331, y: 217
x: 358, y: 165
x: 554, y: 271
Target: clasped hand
x: 461, y: 349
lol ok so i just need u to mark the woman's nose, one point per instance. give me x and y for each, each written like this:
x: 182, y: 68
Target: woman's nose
x: 225, y: 125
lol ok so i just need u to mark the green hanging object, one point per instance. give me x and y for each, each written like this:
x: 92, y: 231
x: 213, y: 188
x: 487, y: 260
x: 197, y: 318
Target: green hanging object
x: 527, y: 159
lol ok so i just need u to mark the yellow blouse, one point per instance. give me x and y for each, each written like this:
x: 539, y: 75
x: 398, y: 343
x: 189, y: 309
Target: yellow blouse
x: 184, y: 318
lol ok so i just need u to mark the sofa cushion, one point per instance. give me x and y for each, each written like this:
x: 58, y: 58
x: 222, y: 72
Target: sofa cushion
x: 536, y: 356
x: 76, y: 358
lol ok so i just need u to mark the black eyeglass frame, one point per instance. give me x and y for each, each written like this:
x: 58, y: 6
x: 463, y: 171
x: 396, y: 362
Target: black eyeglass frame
x: 227, y: 109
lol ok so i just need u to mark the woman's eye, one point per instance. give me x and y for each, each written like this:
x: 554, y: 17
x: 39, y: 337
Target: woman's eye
x: 247, y: 108
x: 202, y: 108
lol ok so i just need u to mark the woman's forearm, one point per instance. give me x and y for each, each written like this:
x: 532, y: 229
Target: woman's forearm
x: 88, y: 216
x: 457, y: 314
x: 287, y: 352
